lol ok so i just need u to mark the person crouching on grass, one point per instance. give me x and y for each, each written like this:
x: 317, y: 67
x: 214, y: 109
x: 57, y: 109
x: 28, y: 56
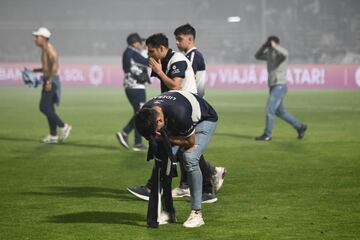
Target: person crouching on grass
x: 189, y: 122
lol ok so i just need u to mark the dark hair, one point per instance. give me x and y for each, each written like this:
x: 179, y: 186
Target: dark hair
x: 185, y: 29
x: 133, y: 38
x: 145, y: 122
x: 157, y: 40
x: 273, y: 38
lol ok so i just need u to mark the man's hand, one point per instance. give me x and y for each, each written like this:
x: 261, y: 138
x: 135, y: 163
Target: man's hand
x: 155, y: 65
x: 48, y: 86
x: 36, y: 70
x: 186, y: 142
x: 158, y: 137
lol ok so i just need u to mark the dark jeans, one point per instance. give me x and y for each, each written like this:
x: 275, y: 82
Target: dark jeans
x: 137, y: 98
x: 207, y: 171
x: 47, y: 107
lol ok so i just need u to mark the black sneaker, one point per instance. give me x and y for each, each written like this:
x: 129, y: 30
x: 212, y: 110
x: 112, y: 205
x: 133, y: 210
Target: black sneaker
x: 139, y: 147
x: 263, y: 137
x: 123, y: 139
x: 209, y: 198
x: 141, y: 192
x: 301, y: 131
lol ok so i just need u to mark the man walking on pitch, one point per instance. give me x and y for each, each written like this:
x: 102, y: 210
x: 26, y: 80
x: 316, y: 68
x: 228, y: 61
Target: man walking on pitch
x: 50, y: 94
x: 276, y: 58
x: 135, y: 69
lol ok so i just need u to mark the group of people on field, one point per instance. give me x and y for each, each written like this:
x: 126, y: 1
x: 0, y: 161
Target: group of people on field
x: 178, y: 124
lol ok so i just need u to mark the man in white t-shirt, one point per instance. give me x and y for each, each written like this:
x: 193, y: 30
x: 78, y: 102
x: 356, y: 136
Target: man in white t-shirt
x: 172, y: 68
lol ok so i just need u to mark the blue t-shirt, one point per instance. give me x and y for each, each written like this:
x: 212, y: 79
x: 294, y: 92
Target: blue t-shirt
x: 132, y: 54
x: 198, y: 65
x: 183, y: 111
x: 133, y: 63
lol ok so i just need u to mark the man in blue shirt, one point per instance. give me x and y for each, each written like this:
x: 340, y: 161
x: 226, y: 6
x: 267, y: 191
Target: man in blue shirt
x: 185, y: 41
x: 189, y: 122
x: 175, y: 72
x: 213, y: 177
x: 135, y: 78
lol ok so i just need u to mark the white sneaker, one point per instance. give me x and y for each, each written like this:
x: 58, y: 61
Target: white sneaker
x: 166, y: 218
x: 218, y: 178
x: 65, y: 132
x: 195, y: 220
x: 50, y: 139
x: 180, y: 192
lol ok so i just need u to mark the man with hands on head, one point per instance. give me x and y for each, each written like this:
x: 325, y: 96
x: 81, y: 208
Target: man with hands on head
x: 276, y: 58
x: 172, y: 68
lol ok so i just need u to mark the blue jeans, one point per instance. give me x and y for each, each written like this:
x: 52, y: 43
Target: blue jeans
x: 275, y: 106
x: 203, y: 133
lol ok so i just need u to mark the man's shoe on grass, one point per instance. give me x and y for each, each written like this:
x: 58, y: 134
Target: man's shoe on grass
x: 195, y: 219
x: 141, y: 192
x: 50, y: 139
x: 218, y: 178
x: 65, y: 132
x: 301, y: 131
x: 263, y: 137
x: 166, y: 217
x: 180, y: 192
x: 123, y: 139
x: 209, y: 198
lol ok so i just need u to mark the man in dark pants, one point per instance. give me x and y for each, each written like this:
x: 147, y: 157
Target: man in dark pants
x: 50, y: 93
x: 175, y: 72
x: 135, y: 70
x: 213, y: 177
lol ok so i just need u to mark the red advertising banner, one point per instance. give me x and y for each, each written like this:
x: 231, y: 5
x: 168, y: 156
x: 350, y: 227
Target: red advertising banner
x: 70, y: 74
x: 298, y: 76
x: 244, y: 76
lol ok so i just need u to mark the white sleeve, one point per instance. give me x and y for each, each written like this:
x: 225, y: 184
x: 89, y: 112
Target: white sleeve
x: 200, y: 82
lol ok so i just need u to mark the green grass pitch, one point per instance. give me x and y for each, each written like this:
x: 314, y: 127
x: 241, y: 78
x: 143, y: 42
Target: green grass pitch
x: 283, y: 189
